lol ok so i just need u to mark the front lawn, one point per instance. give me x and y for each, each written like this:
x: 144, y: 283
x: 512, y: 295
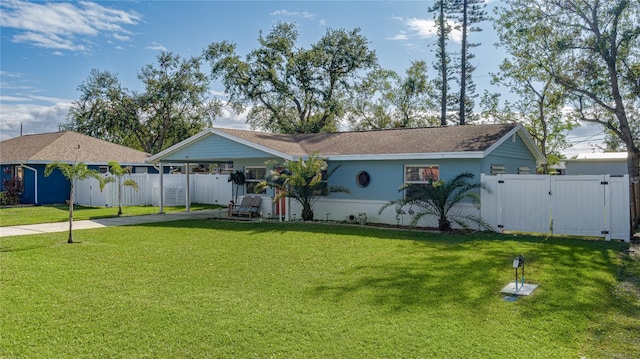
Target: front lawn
x: 21, y: 215
x: 222, y: 289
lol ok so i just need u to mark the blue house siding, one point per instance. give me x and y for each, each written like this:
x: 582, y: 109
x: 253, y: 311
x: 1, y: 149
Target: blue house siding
x: 388, y: 176
x: 214, y: 146
x: 512, y: 153
x: 53, y: 189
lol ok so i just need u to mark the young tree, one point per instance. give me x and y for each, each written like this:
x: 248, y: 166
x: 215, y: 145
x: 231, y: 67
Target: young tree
x: 440, y: 9
x: 439, y: 199
x: 73, y: 172
x: 386, y: 100
x: 119, y: 172
x: 303, y: 180
x: 470, y: 12
x: 292, y: 89
x: 173, y: 107
x: 594, y: 47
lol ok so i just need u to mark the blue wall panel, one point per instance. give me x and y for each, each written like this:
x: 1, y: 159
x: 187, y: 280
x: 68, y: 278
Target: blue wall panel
x: 512, y: 154
x: 388, y: 176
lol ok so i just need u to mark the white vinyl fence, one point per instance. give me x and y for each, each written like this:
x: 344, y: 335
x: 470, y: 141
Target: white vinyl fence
x: 203, y: 188
x: 573, y: 205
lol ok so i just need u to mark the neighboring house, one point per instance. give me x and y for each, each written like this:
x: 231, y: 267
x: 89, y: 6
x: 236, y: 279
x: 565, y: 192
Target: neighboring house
x: 607, y: 163
x: 27, y: 156
x: 373, y: 164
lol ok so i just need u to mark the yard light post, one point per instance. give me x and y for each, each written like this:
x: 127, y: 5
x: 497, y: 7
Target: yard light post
x: 519, y: 263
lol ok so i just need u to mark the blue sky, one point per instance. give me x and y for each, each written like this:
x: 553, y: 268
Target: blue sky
x: 49, y: 47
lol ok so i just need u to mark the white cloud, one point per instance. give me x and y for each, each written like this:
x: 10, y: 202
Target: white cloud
x: 121, y: 37
x: 287, y: 13
x: 424, y: 29
x: 13, y: 99
x: 401, y: 36
x: 156, y: 46
x: 64, y: 25
x: 10, y: 74
x: 231, y: 119
x: 32, y: 118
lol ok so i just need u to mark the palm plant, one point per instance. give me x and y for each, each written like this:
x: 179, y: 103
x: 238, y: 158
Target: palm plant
x: 119, y: 172
x: 303, y: 180
x: 440, y: 198
x: 74, y: 172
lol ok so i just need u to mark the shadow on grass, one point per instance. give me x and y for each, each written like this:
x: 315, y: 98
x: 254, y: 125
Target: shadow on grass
x: 455, y: 271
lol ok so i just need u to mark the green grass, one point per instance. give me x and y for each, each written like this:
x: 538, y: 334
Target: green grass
x: 220, y: 289
x: 14, y: 216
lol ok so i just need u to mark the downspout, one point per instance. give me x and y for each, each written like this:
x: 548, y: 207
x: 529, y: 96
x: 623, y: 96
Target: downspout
x: 35, y: 176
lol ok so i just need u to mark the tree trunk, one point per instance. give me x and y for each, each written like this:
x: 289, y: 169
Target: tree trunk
x: 119, y: 196
x: 444, y: 225
x: 633, y: 165
x: 70, y: 240
x: 307, y: 213
x: 463, y: 66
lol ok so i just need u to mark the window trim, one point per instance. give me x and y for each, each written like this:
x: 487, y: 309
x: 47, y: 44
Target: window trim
x: 426, y: 182
x: 253, y: 181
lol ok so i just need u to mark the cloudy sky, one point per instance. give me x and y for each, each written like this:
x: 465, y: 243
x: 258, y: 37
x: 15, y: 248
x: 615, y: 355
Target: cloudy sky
x: 49, y: 47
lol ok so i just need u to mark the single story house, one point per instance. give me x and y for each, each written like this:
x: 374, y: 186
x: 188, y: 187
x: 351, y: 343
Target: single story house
x: 26, y: 157
x: 604, y: 163
x: 373, y: 164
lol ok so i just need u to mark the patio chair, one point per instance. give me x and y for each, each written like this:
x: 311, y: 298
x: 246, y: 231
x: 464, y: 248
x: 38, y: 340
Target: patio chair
x: 242, y: 208
x: 254, y: 206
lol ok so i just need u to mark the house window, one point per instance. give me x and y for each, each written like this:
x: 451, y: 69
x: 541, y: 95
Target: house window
x: 103, y: 169
x: 18, y: 173
x: 498, y: 169
x: 140, y: 169
x: 523, y: 170
x: 323, y: 188
x: 420, y: 175
x: 253, y: 176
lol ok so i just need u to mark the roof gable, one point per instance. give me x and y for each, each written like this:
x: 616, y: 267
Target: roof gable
x: 66, y: 146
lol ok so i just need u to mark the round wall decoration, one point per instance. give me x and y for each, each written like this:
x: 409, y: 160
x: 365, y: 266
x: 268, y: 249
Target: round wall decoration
x: 363, y: 178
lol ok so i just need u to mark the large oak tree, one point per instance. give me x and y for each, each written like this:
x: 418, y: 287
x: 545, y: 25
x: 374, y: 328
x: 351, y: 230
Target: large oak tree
x: 173, y: 106
x: 591, y: 49
x: 290, y: 89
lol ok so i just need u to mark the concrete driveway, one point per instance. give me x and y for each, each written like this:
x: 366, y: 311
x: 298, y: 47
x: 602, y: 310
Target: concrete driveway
x: 108, y: 222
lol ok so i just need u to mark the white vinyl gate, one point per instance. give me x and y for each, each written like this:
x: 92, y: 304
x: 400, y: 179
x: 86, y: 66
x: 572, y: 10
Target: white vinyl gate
x: 573, y: 205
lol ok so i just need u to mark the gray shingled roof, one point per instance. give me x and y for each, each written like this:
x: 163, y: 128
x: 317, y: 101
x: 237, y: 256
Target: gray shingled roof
x: 474, y: 138
x: 63, y: 147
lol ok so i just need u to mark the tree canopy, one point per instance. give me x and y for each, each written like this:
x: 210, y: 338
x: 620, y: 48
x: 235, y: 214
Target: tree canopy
x: 290, y: 89
x: 173, y: 107
x: 590, y: 48
x: 384, y: 99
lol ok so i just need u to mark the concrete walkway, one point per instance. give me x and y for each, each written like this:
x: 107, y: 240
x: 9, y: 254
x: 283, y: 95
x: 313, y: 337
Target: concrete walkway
x: 108, y: 222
